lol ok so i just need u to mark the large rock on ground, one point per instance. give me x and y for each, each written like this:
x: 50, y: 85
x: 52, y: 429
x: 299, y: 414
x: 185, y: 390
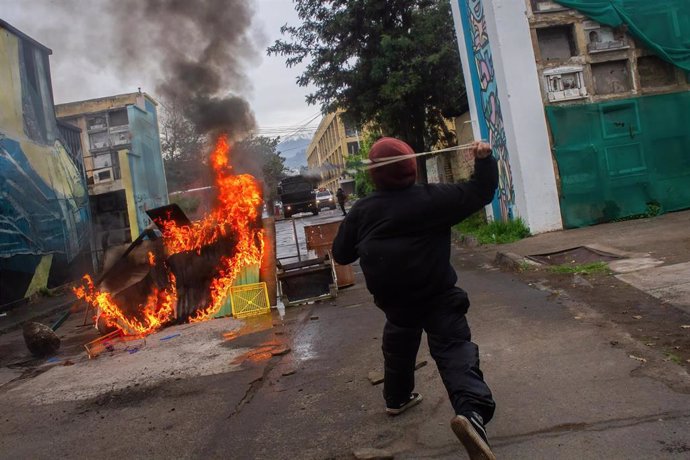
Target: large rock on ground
x: 40, y: 339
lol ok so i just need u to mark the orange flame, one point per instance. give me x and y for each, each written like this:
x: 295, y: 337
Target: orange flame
x: 158, y: 310
x: 236, y: 213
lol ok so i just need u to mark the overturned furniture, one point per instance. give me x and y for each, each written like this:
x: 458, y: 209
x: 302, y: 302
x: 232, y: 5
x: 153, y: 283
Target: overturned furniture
x: 307, y: 280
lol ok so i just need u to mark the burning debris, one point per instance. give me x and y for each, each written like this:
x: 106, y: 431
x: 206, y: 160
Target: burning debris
x: 186, y: 274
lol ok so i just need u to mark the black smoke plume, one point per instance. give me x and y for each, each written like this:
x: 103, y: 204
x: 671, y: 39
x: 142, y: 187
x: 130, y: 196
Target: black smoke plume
x: 199, y: 48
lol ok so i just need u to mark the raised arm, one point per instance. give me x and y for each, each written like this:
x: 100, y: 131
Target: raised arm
x: 455, y: 202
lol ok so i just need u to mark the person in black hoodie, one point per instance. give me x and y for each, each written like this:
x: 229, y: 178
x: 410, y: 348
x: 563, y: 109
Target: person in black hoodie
x: 340, y: 195
x: 401, y: 234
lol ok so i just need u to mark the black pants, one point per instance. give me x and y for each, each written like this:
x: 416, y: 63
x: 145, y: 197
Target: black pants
x: 457, y: 359
x: 342, y: 206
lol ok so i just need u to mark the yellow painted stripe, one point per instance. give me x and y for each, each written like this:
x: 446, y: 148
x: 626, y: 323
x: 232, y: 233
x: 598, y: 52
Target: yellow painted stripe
x: 40, y: 279
x: 129, y: 193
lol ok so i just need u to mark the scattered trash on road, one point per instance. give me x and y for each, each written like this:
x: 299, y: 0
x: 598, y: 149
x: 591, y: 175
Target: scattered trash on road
x: 103, y: 343
x: 168, y: 337
x: 281, y: 351
x: 637, y: 358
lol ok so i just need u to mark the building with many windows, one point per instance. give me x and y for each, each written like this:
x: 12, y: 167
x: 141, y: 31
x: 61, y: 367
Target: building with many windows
x: 327, y: 153
x: 122, y: 161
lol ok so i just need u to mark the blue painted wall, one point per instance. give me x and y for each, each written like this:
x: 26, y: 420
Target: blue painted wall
x: 43, y: 196
x: 146, y: 163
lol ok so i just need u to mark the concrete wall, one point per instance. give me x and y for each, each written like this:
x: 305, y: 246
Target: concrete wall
x: 617, y: 116
x: 506, y: 108
x: 44, y: 219
x: 612, y: 67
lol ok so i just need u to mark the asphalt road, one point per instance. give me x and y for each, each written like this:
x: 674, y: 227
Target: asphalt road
x: 297, y: 387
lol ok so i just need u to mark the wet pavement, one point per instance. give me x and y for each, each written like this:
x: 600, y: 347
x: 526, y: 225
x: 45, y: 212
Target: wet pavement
x: 297, y: 386
x: 286, y: 229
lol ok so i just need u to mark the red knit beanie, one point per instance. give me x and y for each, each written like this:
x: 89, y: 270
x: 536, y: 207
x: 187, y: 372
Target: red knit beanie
x: 398, y: 175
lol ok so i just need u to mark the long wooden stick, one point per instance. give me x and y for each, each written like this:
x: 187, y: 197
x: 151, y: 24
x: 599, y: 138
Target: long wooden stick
x: 371, y: 164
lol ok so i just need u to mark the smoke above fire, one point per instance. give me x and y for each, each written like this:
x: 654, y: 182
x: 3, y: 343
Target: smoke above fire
x: 199, y: 49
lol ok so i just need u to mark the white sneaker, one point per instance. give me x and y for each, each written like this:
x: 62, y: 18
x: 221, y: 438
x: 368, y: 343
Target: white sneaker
x: 415, y: 398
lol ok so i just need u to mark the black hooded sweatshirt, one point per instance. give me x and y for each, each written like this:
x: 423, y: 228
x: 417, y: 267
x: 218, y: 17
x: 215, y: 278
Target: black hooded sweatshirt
x: 402, y: 238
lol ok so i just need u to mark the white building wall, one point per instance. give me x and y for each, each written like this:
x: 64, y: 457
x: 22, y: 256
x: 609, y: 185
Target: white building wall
x: 534, y: 180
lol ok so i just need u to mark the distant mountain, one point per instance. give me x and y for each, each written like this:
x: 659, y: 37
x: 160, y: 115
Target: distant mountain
x: 298, y: 160
x: 294, y: 151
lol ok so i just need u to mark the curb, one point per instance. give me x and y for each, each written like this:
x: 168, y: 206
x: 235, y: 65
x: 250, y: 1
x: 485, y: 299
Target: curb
x: 513, y: 262
x: 467, y: 241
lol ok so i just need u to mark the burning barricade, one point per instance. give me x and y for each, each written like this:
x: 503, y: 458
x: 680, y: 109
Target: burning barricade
x: 186, y: 274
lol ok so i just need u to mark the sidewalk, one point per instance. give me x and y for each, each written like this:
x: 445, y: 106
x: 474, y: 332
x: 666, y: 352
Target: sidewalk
x: 665, y: 237
x: 654, y: 253
x: 647, y: 292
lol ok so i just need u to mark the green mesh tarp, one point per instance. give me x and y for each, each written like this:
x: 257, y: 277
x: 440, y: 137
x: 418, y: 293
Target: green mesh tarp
x: 663, y: 26
x: 622, y: 158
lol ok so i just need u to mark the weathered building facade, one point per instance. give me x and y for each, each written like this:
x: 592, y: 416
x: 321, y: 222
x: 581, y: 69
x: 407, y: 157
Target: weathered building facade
x: 44, y: 213
x: 327, y: 153
x: 586, y: 107
x: 122, y: 161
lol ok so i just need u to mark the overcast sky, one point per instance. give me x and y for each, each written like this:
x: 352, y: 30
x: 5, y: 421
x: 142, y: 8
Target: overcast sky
x: 73, y: 27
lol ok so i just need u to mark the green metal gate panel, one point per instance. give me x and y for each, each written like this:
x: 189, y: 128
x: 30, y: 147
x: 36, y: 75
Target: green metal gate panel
x: 617, y: 158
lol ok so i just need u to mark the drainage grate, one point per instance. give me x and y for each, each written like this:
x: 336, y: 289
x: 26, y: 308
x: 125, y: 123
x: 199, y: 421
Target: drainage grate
x: 578, y: 255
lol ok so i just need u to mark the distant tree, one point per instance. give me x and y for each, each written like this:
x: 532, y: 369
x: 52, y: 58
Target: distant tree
x: 363, y: 183
x: 395, y: 63
x: 258, y: 156
x: 185, y: 151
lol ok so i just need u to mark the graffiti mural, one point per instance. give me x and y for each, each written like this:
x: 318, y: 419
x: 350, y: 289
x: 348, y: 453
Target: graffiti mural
x: 486, y: 95
x: 44, y: 218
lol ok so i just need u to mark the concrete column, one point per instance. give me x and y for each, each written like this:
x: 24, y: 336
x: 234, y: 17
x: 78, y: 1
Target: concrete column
x: 521, y: 108
x: 268, y: 262
x: 536, y: 192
